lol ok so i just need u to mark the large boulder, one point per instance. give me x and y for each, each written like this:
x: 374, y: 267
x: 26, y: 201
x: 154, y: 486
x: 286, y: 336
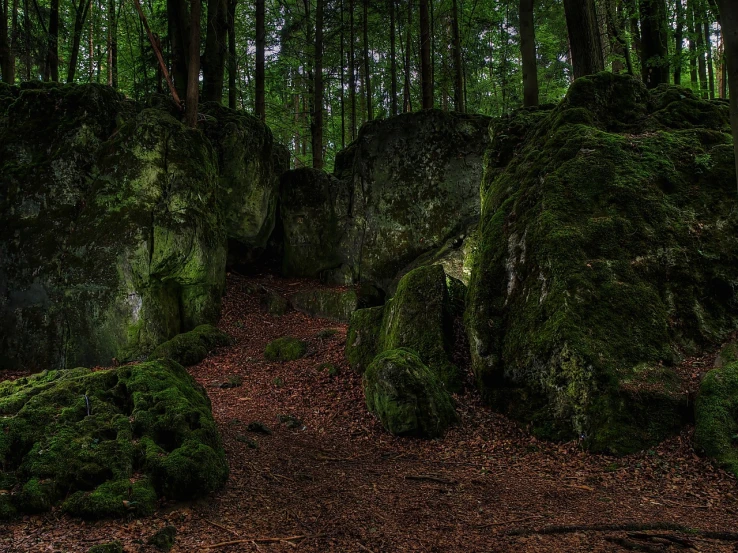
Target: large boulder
x: 608, y: 250
x: 407, y: 397
x: 106, y: 443
x: 113, y: 237
x: 418, y: 318
x: 405, y: 187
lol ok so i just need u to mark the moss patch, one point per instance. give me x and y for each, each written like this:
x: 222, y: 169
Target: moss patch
x: 107, y: 443
x: 189, y: 348
x: 716, y: 416
x: 407, y: 397
x: 336, y: 305
x: 284, y: 349
x: 607, y: 243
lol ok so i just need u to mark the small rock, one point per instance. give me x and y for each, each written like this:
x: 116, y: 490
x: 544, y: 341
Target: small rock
x: 248, y: 441
x: 289, y: 421
x: 163, y: 540
x: 112, y: 547
x: 259, y: 428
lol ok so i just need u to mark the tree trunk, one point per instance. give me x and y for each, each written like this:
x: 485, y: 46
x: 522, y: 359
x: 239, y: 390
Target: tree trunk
x: 692, y: 47
x: 232, y: 61
x: 393, y: 59
x: 178, y: 21
x: 459, y: 69
x: 698, y: 19
x: 13, y: 40
x: 216, y: 47
x: 341, y: 67
x: 407, y: 100
x: 27, y: 39
x: 193, y: 66
x: 260, y: 108
x: 425, y: 56
x: 90, y: 42
x: 654, y: 41
x: 52, y: 59
x: 528, y: 54
x: 584, y: 37
x: 112, y: 44
x: 710, y: 68
x: 4, y: 43
x: 679, y: 40
x: 317, y: 124
x: 352, y: 69
x: 367, y: 68
x: 729, y: 25
x: 79, y: 23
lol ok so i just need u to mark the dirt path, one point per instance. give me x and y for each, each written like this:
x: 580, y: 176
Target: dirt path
x: 336, y: 478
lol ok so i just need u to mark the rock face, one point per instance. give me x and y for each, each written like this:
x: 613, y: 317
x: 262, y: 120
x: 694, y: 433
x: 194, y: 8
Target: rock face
x: 407, y: 397
x: 608, y: 250
x: 113, y: 237
x: 716, y: 424
x: 404, y: 188
x: 77, y: 438
x: 189, y: 348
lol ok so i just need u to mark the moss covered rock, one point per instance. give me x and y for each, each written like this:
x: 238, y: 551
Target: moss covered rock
x: 716, y: 416
x: 404, y: 187
x: 107, y: 443
x: 284, y: 349
x: 407, y: 397
x: 189, y: 348
x: 419, y: 318
x: 112, y: 547
x: 337, y: 305
x: 607, y: 249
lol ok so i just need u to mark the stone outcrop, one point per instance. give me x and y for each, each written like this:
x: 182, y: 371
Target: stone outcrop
x: 607, y: 251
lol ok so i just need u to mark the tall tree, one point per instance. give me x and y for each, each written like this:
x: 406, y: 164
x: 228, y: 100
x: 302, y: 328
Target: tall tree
x: 679, y: 41
x: 692, y: 46
x: 458, y: 67
x: 260, y: 108
x: 52, y: 57
x: 232, y: 60
x: 178, y: 22
x: 367, y: 68
x: 710, y: 67
x: 698, y: 18
x: 584, y: 37
x: 317, y: 122
x: 393, y: 58
x: 654, y: 42
x: 528, y: 53
x: 80, y: 16
x: 112, y: 45
x: 193, y: 66
x: 406, y: 96
x: 426, y: 79
x: 5, y: 52
x: 729, y: 24
x: 216, y: 47
x: 352, y: 68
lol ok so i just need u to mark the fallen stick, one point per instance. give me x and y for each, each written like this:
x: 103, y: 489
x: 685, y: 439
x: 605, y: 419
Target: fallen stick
x: 627, y: 527
x: 221, y: 527
x: 258, y: 540
x: 429, y: 478
x: 508, y: 521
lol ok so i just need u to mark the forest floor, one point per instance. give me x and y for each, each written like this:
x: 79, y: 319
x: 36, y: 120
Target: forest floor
x: 329, y: 479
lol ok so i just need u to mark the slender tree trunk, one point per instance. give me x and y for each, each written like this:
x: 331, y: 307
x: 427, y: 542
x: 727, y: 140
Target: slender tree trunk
x: 693, y: 78
x: 79, y: 23
x: 343, y: 78
x: 112, y: 44
x: 193, y: 66
x: 178, y: 21
x: 90, y: 42
x: 367, y: 67
x: 407, y: 99
x: 459, y: 69
x: 13, y: 40
x: 528, y: 53
x: 352, y: 69
x: 317, y: 124
x: 393, y: 59
x: 584, y: 37
x: 52, y: 60
x: 723, y: 71
x: 232, y: 60
x: 679, y: 41
x: 654, y: 42
x: 710, y: 68
x: 425, y: 56
x: 27, y: 39
x: 260, y: 108
x: 216, y: 48
x: 729, y: 26
x: 5, y: 53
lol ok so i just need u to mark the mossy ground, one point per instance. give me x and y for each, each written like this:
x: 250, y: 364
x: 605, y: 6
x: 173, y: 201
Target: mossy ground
x: 285, y: 349
x: 607, y: 244
x: 107, y: 443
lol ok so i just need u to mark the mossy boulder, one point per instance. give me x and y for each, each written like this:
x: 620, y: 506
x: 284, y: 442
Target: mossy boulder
x: 607, y: 250
x: 107, y: 443
x: 327, y: 303
x: 419, y: 317
x: 404, y: 187
x: 189, y: 348
x: 285, y: 349
x: 407, y: 397
x: 112, y: 547
x: 716, y: 416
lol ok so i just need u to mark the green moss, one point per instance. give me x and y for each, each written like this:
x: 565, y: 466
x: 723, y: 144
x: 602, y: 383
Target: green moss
x: 112, y: 547
x: 716, y: 423
x: 191, y: 347
x: 602, y: 249
x: 336, y: 305
x: 407, y: 397
x: 83, y: 436
x: 163, y: 539
x: 285, y: 349
x: 362, y: 339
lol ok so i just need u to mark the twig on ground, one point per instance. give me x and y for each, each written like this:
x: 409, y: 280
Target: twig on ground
x: 218, y: 525
x: 429, y: 478
x: 286, y: 539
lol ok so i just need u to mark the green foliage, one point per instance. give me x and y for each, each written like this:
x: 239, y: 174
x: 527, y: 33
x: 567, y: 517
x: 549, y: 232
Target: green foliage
x: 107, y: 443
x: 284, y: 349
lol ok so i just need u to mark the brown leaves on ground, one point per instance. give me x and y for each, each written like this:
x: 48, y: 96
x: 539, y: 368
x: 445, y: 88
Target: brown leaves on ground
x: 329, y: 479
